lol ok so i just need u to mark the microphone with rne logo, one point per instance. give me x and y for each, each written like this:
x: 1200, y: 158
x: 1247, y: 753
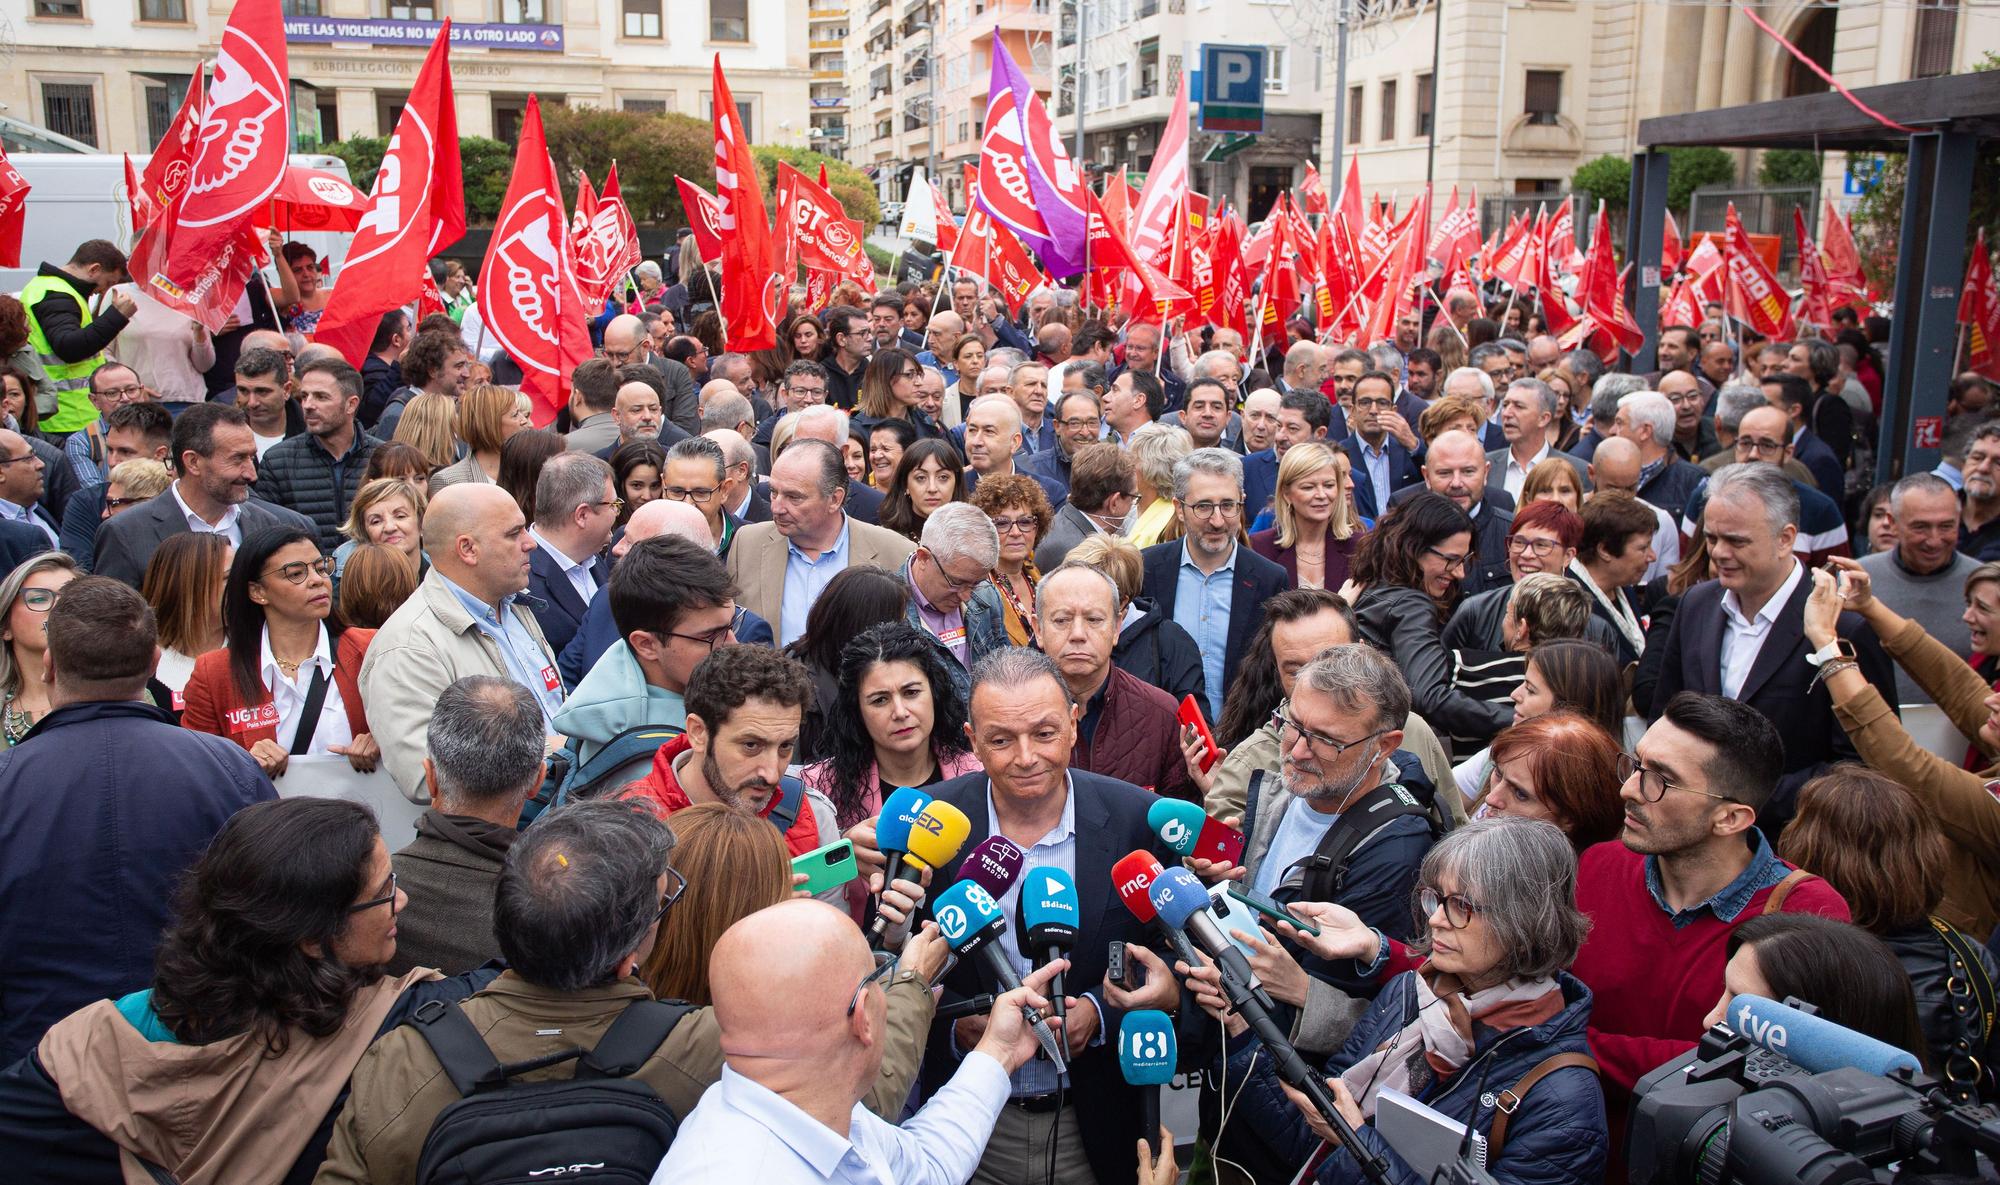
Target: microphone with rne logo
x: 1813, y: 1043
x: 935, y: 837
x: 1132, y: 876
x: 1183, y: 827
x: 1147, y: 1052
x: 993, y: 864
x: 1049, y: 914
x: 971, y: 923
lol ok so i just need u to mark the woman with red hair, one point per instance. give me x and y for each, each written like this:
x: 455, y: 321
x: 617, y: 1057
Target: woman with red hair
x: 1561, y: 767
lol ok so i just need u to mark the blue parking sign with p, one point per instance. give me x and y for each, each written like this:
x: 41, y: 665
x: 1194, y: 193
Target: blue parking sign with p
x: 1232, y: 88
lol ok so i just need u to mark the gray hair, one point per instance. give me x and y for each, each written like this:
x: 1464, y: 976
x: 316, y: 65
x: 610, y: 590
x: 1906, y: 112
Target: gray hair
x: 1005, y: 403
x: 1918, y: 483
x: 568, y: 481
x: 1013, y: 666
x: 1006, y: 357
x: 701, y: 448
x: 1551, y: 605
x: 1522, y: 875
x: 726, y: 410
x: 650, y: 269
x: 1157, y: 450
x: 961, y: 531
x: 1763, y: 481
x: 1513, y: 345
x: 1485, y: 380
x: 832, y: 466
x: 579, y: 891
x: 1653, y: 409
x: 1386, y: 358
x: 1736, y: 400
x: 1092, y: 374
x: 1041, y: 586
x: 1014, y: 371
x: 812, y: 416
x: 1822, y: 359
x: 1359, y: 678
x: 1607, y: 391
x: 730, y: 367
x: 1544, y: 393
x: 1204, y: 364
x: 485, y: 741
x: 1299, y: 354
x: 1485, y: 350
x: 1215, y: 462
x: 735, y: 449
x: 1585, y: 365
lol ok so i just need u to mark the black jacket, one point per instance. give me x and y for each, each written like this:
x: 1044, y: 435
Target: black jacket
x: 1492, y: 519
x: 1475, y: 624
x: 558, y: 610
x: 1156, y: 650
x: 299, y: 474
x: 1934, y: 971
x: 1402, y: 622
x: 69, y: 338
x: 1673, y: 485
x: 379, y: 380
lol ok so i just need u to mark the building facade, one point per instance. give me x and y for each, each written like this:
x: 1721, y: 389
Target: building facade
x: 111, y: 73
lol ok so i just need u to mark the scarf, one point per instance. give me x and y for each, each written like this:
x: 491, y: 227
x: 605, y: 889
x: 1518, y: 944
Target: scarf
x: 1614, y: 604
x: 1442, y: 1036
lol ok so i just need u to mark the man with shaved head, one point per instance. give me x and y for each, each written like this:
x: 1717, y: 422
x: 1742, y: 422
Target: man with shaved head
x: 794, y: 1078
x: 1457, y: 467
x: 467, y: 617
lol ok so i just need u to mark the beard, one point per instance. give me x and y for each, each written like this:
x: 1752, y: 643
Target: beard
x: 1324, y: 790
x: 750, y: 796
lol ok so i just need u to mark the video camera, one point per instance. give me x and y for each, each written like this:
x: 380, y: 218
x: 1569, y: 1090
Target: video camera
x: 1833, y: 1107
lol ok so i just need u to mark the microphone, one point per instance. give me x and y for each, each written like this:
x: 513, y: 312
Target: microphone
x: 993, y: 865
x: 1147, y: 1052
x: 970, y: 921
x: 1183, y: 905
x: 892, y: 827
x: 1813, y: 1043
x: 1049, y: 917
x: 934, y: 837
x: 1132, y: 876
x: 1183, y: 827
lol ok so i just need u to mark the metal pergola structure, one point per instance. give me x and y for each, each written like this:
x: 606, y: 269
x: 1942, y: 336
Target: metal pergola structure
x: 1951, y: 116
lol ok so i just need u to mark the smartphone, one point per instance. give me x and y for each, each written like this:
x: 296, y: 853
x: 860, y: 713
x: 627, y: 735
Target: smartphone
x: 1190, y: 715
x: 828, y: 867
x: 1115, y: 968
x: 1269, y: 908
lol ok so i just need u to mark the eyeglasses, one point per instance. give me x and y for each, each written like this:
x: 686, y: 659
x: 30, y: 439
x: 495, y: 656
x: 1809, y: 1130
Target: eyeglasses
x: 41, y: 600
x: 1374, y: 404
x: 1458, y: 910
x: 689, y: 493
x: 711, y: 639
x: 1687, y: 397
x: 1750, y: 444
x: 953, y: 582
x: 389, y: 901
x: 1025, y: 526
x: 1319, y: 740
x: 122, y: 392
x: 885, y: 965
x: 814, y: 392
x: 1079, y: 423
x: 296, y: 571
x: 1653, y: 785
x: 613, y: 503
x: 1520, y: 544
x: 910, y: 374
x: 677, y: 886
x: 1227, y: 508
x: 119, y: 503
x: 27, y: 456
x: 621, y: 357
x: 1451, y: 562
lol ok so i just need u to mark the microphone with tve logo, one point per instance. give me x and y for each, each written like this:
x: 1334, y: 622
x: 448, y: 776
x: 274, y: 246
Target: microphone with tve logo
x: 1049, y: 915
x: 1133, y: 876
x: 971, y: 923
x: 1184, y: 905
x: 1813, y: 1043
x: 1147, y: 1051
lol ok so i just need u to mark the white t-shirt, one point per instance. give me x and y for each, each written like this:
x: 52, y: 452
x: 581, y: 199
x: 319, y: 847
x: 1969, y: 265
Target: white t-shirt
x: 264, y: 443
x: 1299, y: 834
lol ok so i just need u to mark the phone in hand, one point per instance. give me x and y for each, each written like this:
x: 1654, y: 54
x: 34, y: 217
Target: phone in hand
x: 1269, y: 908
x: 1190, y: 715
x: 828, y: 867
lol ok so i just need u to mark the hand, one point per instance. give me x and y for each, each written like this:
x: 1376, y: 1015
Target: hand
x: 1822, y: 613
x: 1350, y: 591
x: 798, y: 882
x: 1159, y: 991
x: 1214, y: 871
x: 924, y: 953
x: 1163, y: 1171
x: 1080, y: 1023
x: 1281, y: 973
x: 1343, y: 1102
x: 1398, y: 427
x: 1005, y: 1034
x: 1342, y: 933
x: 1192, y: 752
x: 969, y: 1031
x: 123, y: 302
x: 899, y: 904
x: 1857, y: 588
x: 362, y: 753
x: 271, y: 756
x: 274, y: 241
x: 1206, y: 984
x: 866, y: 853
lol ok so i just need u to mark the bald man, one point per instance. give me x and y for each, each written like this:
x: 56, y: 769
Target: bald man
x: 467, y: 617
x: 788, y: 1107
x: 626, y: 342
x: 1618, y: 460
x: 1456, y: 467
x: 598, y: 631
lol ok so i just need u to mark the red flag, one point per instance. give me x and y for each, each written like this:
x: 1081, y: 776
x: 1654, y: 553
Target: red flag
x: 1677, y: 306
x: 415, y: 210
x: 1457, y: 234
x: 1843, y: 261
x: 592, y: 265
x: 1754, y: 294
x: 990, y: 251
x: 704, y: 215
x: 820, y: 227
x: 947, y: 225
x: 1818, y: 307
x: 1670, y: 248
x: 1155, y: 292
x: 199, y: 256
x: 753, y: 291
x: 1118, y: 201
x: 1232, y: 282
x: 429, y: 299
x: 1299, y: 233
x: 1165, y: 194
x: 1555, y: 309
x: 1979, y: 310
x: 14, y: 209
x: 1598, y: 289
x: 1561, y: 243
x: 528, y: 297
x: 1704, y: 268
x: 1514, y: 258
x: 1406, y: 266
x: 1312, y: 193
x: 628, y: 254
x: 166, y: 171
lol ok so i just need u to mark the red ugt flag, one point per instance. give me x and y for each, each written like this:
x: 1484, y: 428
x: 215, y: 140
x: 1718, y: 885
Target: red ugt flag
x: 528, y: 297
x: 704, y: 218
x: 1979, y: 309
x: 753, y: 290
x: 13, y: 212
x: 166, y: 171
x: 1754, y: 295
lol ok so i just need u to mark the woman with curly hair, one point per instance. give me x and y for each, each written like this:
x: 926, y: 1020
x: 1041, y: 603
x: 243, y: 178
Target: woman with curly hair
x: 1021, y: 514
x: 267, y: 989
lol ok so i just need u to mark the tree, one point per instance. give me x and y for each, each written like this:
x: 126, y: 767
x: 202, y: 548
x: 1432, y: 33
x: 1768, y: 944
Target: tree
x: 651, y: 149
x: 487, y: 164
x: 1607, y: 179
x: 849, y: 185
x: 363, y: 155
x: 1689, y: 169
x: 1789, y: 166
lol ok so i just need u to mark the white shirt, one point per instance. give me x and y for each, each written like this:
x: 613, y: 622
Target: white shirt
x: 229, y: 528
x: 1516, y: 474
x: 288, y: 696
x: 1743, y: 638
x: 743, y: 1132
x: 264, y: 443
x: 579, y: 575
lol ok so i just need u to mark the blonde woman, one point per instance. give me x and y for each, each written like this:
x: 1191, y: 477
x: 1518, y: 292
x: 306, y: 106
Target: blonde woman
x: 1156, y: 449
x: 1317, y: 529
x: 487, y: 416
x: 388, y: 511
x: 428, y: 426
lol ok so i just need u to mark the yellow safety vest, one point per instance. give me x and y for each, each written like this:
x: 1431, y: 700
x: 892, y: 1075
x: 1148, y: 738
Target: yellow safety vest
x: 70, y: 380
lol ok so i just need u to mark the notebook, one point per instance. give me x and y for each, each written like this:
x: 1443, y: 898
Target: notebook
x: 1425, y: 1138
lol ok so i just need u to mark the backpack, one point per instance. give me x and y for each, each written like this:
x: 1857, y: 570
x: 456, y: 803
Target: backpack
x: 567, y: 776
x: 1325, y: 871
x: 598, y: 1126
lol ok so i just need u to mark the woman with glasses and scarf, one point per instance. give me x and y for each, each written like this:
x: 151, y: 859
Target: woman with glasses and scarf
x: 285, y: 684
x: 1493, y: 1010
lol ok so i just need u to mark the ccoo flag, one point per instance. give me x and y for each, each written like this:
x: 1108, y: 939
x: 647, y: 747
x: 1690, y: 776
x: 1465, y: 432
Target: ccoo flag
x: 1027, y: 181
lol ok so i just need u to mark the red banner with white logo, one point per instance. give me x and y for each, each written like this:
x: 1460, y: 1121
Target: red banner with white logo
x: 1755, y: 295
x: 166, y: 171
x: 1817, y: 307
x: 528, y: 297
x: 754, y: 292
x: 990, y: 251
x: 1979, y: 310
x: 14, y: 210
x: 1843, y: 260
x: 704, y: 216
x: 819, y: 226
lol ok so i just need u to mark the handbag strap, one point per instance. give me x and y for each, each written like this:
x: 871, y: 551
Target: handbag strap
x: 1971, y: 995
x: 309, y: 723
x: 1783, y: 889
x: 1509, y: 1101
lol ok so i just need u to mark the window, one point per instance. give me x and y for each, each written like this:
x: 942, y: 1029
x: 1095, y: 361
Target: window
x: 729, y: 20
x: 644, y: 106
x: 59, y: 8
x: 329, y: 119
x: 1277, y: 67
x: 1544, y: 97
x: 520, y: 12
x: 1543, y: 187
x: 389, y: 109
x: 1937, y: 33
x: 70, y: 109
x: 642, y: 19
x: 746, y: 113
x: 1388, y: 110
x: 1354, y: 115
x: 300, y: 7
x: 1103, y: 97
x: 163, y: 10
x: 163, y: 99
x: 1121, y: 83
x: 412, y: 10
x: 1426, y: 103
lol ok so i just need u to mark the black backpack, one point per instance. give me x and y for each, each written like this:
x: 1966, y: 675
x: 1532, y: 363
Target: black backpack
x: 599, y: 1126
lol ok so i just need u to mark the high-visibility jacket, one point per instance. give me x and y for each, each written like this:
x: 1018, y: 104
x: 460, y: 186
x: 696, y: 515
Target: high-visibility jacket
x: 70, y: 380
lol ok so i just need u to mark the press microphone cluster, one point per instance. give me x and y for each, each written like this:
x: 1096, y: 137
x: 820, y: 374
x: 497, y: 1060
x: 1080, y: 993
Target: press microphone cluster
x: 915, y: 832
x: 971, y: 923
x: 1184, y: 827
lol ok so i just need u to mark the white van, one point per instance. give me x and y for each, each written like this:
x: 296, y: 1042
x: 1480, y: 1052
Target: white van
x: 81, y: 196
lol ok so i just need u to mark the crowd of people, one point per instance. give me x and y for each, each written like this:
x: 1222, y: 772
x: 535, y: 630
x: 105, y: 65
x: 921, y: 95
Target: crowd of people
x: 1552, y: 705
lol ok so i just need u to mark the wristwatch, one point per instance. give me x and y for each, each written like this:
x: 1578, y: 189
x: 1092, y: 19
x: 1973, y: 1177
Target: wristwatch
x: 1838, y: 648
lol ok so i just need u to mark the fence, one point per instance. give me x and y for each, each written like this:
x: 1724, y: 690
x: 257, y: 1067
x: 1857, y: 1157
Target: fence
x: 1762, y: 211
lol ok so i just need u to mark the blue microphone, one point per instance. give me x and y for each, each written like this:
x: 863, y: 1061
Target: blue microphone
x: 971, y: 923
x: 1049, y: 917
x: 1813, y: 1043
x: 1184, y: 905
x: 1147, y: 1052
x: 892, y: 837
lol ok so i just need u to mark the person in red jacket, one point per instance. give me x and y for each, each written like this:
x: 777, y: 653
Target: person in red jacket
x: 744, y: 708
x: 285, y: 684
x: 1689, y: 867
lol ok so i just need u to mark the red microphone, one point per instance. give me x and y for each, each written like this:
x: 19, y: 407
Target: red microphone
x: 1134, y: 876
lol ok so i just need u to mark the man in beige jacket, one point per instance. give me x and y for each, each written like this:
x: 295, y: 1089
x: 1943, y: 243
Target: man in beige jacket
x: 465, y: 619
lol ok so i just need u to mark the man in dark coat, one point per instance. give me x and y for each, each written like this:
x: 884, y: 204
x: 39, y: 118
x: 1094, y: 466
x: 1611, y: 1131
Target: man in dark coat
x: 318, y: 473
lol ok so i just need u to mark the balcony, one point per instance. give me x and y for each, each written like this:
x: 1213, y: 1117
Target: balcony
x: 826, y: 12
x: 830, y: 44
x: 829, y: 103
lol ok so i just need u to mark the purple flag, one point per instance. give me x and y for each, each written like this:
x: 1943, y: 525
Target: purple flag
x: 1027, y: 182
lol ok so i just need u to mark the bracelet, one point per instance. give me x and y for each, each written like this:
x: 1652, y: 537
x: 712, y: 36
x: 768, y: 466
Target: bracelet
x: 1832, y: 667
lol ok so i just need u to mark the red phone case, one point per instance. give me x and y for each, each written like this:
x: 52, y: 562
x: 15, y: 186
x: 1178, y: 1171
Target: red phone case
x: 1190, y: 714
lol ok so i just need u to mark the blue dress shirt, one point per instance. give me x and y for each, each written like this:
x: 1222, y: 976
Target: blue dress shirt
x: 1201, y: 607
x: 527, y: 663
x: 805, y: 579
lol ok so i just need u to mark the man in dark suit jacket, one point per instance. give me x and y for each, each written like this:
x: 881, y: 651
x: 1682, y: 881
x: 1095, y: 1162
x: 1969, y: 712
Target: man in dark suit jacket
x: 575, y: 509
x: 1084, y: 824
x: 1712, y: 648
x: 1404, y: 471
x: 1457, y: 467
x: 1794, y: 396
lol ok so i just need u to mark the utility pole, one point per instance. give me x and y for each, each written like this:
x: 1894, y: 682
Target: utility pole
x: 1337, y: 171
x: 1082, y: 60
x: 1437, y: 79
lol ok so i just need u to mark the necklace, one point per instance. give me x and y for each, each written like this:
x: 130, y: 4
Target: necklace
x: 14, y: 722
